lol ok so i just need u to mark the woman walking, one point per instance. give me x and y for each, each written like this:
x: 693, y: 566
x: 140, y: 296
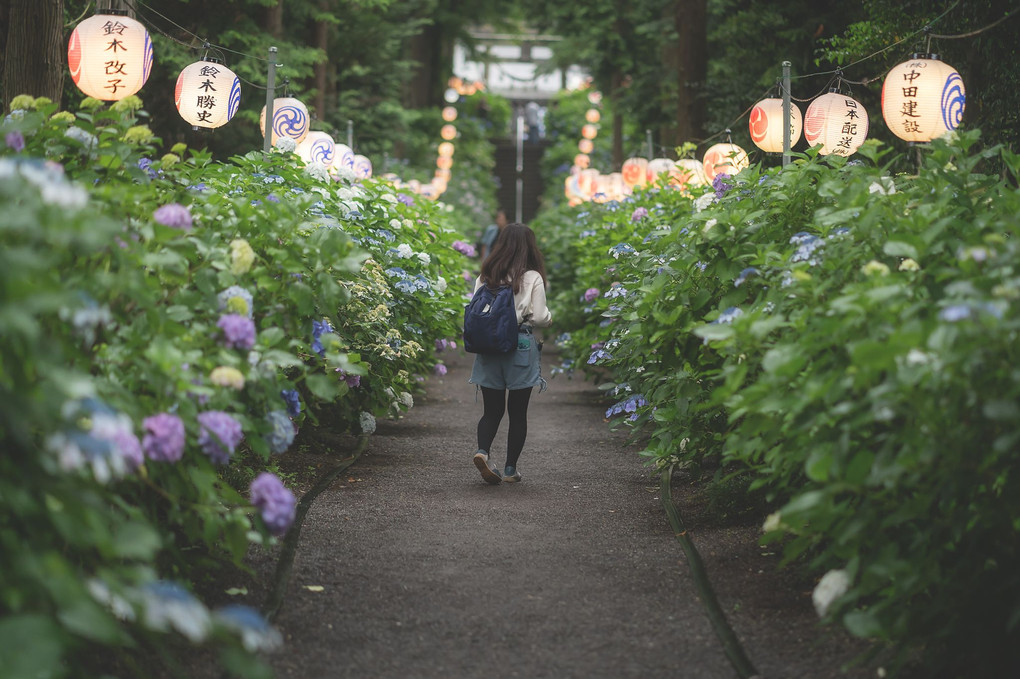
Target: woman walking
x: 506, y: 380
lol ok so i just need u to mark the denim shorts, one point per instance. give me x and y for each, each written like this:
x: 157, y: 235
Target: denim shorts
x: 518, y: 369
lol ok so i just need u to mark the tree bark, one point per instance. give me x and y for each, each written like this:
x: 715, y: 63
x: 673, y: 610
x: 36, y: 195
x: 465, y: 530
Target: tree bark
x: 321, y: 42
x: 691, y: 60
x: 423, y: 49
x: 274, y: 19
x: 615, y: 94
x: 35, y: 54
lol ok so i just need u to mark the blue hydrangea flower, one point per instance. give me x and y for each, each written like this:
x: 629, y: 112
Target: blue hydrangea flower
x: 744, y: 275
x: 293, y: 401
x: 318, y: 329
x: 621, y: 249
x: 282, y: 433
x: 599, y: 355
x: 730, y: 315
x: 587, y: 233
x: 168, y: 605
x: 616, y: 290
x: 256, y: 634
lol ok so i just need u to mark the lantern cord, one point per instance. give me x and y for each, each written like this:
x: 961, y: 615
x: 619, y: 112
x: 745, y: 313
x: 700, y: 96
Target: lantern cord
x: 979, y: 31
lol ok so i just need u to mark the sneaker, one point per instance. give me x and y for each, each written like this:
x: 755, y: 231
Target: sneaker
x: 489, y: 474
x: 511, y: 475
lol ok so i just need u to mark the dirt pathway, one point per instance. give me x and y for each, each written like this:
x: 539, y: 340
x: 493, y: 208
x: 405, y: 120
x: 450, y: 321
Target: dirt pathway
x: 427, y: 572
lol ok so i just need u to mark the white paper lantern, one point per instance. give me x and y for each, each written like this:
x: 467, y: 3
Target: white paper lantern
x: 318, y: 147
x: 686, y: 173
x: 207, y: 94
x: 110, y: 56
x: 922, y: 99
x: 635, y: 172
x: 587, y: 183
x: 344, y: 157
x: 766, y: 125
x: 362, y: 167
x: 451, y: 96
x: 290, y: 119
x: 724, y: 158
x: 658, y: 167
x: 838, y: 122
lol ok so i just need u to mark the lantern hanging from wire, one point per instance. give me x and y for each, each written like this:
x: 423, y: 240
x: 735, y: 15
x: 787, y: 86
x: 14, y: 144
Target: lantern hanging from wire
x: 446, y: 149
x: 589, y: 131
x: 766, y: 125
x: 724, y: 158
x: 687, y: 173
x: 592, y: 115
x: 582, y: 161
x: 635, y: 172
x: 585, y: 146
x: 290, y: 119
x: 922, y: 98
x: 836, y: 121
x: 658, y: 167
x: 109, y: 56
x: 344, y: 157
x: 317, y: 147
x: 362, y: 167
x: 595, y: 97
x: 207, y: 94
x: 448, y: 132
x: 586, y: 182
x: 449, y: 114
x: 444, y: 162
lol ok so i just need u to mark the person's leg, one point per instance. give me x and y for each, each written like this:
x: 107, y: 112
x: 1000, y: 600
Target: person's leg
x: 493, y: 406
x: 518, y: 408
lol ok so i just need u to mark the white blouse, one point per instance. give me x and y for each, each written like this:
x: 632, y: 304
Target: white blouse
x: 529, y: 300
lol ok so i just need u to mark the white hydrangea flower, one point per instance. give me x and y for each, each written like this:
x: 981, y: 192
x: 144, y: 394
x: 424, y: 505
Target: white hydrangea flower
x: 388, y: 198
x: 367, y: 421
x: 832, y: 586
x: 395, y: 224
x: 441, y: 285
x: 885, y: 186
x: 772, y: 522
x: 704, y: 201
x: 424, y: 258
x: 710, y: 223
x: 345, y: 175
x: 87, y: 139
x: 404, y: 251
x: 406, y: 399
x: 349, y: 193
x: 118, y: 605
x: 317, y: 171
x: 408, y: 224
x: 286, y: 145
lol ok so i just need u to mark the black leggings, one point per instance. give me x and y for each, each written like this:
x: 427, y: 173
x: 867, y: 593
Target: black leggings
x: 495, y: 402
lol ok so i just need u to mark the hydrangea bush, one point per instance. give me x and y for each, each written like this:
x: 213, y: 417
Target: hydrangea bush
x: 162, y: 316
x: 846, y: 341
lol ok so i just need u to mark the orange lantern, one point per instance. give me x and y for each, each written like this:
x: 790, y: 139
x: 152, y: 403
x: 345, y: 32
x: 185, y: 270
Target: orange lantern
x: 448, y: 132
x: 586, y: 183
x: 635, y: 172
x: 766, y: 125
x: 110, y: 56
x: 922, y: 99
x: 593, y: 115
x: 443, y: 174
x: 585, y: 146
x: 686, y: 173
x: 589, y: 131
x: 615, y: 186
x: 595, y: 97
x: 440, y: 184
x: 838, y: 122
x: 454, y: 82
x: 449, y: 114
x: 414, y: 185
x: 657, y: 167
x: 446, y: 149
x: 725, y: 158
x: 444, y: 162
x: 582, y: 161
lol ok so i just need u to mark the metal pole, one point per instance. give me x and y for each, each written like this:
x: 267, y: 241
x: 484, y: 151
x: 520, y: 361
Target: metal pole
x: 519, y: 198
x: 648, y: 138
x: 786, y: 113
x: 350, y: 134
x: 267, y: 144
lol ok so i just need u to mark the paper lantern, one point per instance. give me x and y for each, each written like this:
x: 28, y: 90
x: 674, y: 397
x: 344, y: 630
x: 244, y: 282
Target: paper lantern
x: 724, y: 158
x: 207, y: 94
x: 362, y: 167
x: 448, y: 132
x: 444, y: 162
x: 110, y: 56
x: 585, y: 146
x: 572, y: 187
x: 445, y: 174
x: 687, y: 173
x: 450, y: 96
x: 593, y: 115
x: 446, y: 149
x: 440, y: 184
x: 317, y: 147
x: 766, y: 125
x: 595, y: 97
x: 616, y: 189
x: 657, y: 167
x: 589, y: 131
x: 454, y: 82
x: 449, y: 114
x: 922, y: 99
x: 635, y: 172
x: 414, y: 185
x: 582, y: 160
x: 290, y: 119
x: 344, y: 157
x: 836, y: 121
x: 586, y: 183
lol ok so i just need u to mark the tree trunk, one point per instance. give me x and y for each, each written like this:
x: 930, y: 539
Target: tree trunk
x: 615, y: 94
x: 321, y: 42
x: 35, y: 55
x: 423, y: 49
x: 274, y: 19
x: 691, y: 59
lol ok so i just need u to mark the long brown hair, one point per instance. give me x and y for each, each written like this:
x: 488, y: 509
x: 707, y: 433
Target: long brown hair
x: 514, y: 252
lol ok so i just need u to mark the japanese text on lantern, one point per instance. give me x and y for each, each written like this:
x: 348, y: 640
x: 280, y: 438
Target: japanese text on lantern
x: 206, y: 102
x: 909, y: 109
x: 114, y: 66
x: 844, y: 147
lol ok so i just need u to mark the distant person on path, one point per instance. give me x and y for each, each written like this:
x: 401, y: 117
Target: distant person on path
x: 490, y: 234
x: 515, y: 261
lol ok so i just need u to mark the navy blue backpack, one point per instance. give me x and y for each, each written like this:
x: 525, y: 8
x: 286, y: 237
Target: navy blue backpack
x: 490, y: 321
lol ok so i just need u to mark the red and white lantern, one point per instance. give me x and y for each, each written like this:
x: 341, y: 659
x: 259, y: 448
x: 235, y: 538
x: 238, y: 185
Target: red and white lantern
x: 590, y: 131
x: 838, y: 122
x: 922, y: 99
x: 585, y: 146
x: 766, y: 125
x: 658, y: 167
x: 635, y: 172
x: 110, y: 56
x: 687, y: 173
x: 207, y: 94
x: 593, y: 115
x: 725, y: 158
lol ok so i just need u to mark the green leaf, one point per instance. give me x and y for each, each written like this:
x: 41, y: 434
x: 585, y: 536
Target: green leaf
x: 899, y: 249
x: 715, y: 331
x: 322, y: 386
x: 31, y: 647
x: 136, y: 541
x: 862, y: 624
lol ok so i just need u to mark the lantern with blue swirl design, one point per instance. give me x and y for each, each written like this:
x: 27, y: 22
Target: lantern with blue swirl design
x: 344, y: 157
x: 110, y: 56
x: 317, y: 147
x: 207, y: 94
x: 922, y: 98
x: 290, y: 119
x: 362, y: 167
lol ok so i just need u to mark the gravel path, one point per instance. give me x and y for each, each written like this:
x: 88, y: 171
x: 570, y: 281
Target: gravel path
x: 428, y: 572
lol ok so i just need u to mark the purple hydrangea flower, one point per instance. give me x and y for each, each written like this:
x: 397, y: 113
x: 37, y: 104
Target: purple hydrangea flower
x: 639, y: 214
x: 351, y: 380
x: 318, y: 329
x: 164, y: 437
x: 293, y: 401
x: 275, y: 503
x: 440, y: 369
x: 720, y: 185
x: 405, y: 199
x: 218, y: 435
x: 273, y: 198
x: 15, y: 141
x: 464, y: 248
x: 282, y: 433
x: 591, y: 294
x: 238, y: 331
x: 174, y: 215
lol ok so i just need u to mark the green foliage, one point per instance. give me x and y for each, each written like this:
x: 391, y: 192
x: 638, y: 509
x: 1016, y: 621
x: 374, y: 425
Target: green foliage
x: 112, y: 313
x: 846, y: 340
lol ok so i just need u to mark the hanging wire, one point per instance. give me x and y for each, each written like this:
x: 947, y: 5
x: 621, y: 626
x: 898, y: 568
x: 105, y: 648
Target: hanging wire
x: 979, y: 31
